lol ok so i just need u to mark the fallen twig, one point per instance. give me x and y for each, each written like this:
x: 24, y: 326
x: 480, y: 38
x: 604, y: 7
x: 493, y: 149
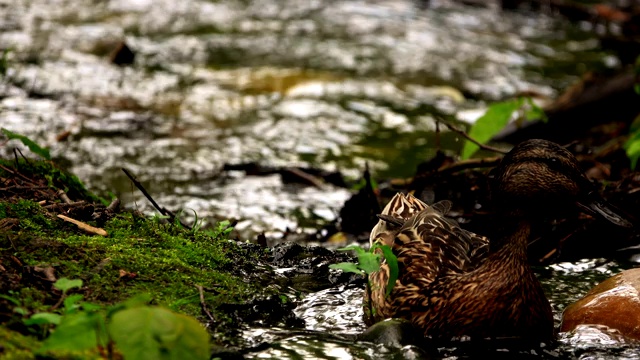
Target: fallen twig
x: 306, y: 177
x: 20, y: 187
x: 17, y: 173
x: 203, y: 304
x: 65, y: 205
x: 64, y: 197
x: 84, y: 226
x: 113, y: 207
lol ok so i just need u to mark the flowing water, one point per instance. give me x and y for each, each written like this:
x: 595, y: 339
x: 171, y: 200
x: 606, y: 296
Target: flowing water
x: 323, y: 84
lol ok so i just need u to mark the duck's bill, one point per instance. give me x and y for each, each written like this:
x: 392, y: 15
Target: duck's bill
x: 602, y: 209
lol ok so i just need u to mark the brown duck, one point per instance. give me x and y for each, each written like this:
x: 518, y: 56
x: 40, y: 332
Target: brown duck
x: 454, y: 283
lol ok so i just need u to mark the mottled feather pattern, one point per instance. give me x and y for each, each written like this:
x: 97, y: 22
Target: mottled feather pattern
x: 427, y: 246
x: 401, y: 207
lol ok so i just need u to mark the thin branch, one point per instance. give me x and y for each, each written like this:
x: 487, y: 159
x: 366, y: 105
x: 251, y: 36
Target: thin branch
x: 470, y: 164
x: 204, y: 304
x: 21, y: 154
x: 466, y: 136
x: 17, y: 173
x: 20, y: 187
x: 144, y: 192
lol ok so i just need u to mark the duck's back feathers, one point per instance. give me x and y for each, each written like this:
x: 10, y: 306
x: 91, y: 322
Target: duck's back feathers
x: 428, y: 245
x: 401, y: 207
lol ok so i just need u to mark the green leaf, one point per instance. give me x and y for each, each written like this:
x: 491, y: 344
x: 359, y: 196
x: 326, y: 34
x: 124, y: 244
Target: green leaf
x: 369, y: 262
x: 347, y: 267
x: 355, y: 248
x: 87, y: 306
x: 494, y: 119
x: 71, y: 303
x: 138, y: 300
x: 392, y: 262
x: 362, y: 183
x: 35, y: 148
x: 76, y: 332
x: 20, y: 310
x: 65, y: 284
x: 43, y: 318
x: 535, y: 112
x: 15, y: 301
x: 155, y: 333
x: 632, y: 147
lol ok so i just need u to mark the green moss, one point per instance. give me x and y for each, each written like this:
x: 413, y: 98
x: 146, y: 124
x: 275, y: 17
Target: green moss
x: 51, y: 175
x: 16, y: 346
x: 139, y: 255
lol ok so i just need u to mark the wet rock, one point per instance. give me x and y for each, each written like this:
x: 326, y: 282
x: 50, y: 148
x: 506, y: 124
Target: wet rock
x: 223, y: 353
x: 274, y: 310
x: 614, y: 303
x: 392, y: 333
x: 307, y: 267
x: 358, y: 215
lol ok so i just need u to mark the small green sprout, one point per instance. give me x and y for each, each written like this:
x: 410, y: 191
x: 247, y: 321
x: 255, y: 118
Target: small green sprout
x: 370, y: 262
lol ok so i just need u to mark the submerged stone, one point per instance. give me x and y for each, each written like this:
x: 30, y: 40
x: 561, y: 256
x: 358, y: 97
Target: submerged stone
x: 614, y: 303
x: 392, y: 333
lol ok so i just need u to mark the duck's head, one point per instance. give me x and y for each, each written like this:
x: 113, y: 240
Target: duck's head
x: 539, y: 177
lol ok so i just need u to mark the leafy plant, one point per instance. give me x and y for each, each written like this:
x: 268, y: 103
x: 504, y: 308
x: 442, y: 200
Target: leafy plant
x: 65, y: 284
x: 497, y: 117
x: 632, y: 145
x: 223, y: 228
x: 70, y: 305
x: 35, y: 148
x: 370, y: 261
x: 134, y: 329
x: 197, y: 223
x: 149, y: 332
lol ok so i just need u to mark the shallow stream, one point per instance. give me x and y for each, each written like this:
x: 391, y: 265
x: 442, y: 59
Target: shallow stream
x: 323, y: 84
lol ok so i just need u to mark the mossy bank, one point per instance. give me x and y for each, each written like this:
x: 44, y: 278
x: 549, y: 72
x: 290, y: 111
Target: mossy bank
x: 189, y: 272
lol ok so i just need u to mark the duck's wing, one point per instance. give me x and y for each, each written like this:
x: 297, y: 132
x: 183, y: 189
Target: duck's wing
x: 443, y: 206
x: 430, y: 242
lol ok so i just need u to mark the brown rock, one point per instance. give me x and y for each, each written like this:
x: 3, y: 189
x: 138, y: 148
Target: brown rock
x: 614, y: 302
